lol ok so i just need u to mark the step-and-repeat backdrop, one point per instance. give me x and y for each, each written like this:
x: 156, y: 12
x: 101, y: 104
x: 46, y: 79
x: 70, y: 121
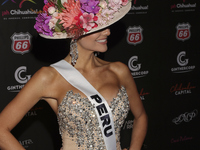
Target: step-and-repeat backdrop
x: 159, y: 40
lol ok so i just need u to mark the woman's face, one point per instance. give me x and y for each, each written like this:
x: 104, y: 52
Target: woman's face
x: 96, y: 42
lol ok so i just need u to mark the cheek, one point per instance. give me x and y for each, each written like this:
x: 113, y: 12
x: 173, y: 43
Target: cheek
x: 87, y: 42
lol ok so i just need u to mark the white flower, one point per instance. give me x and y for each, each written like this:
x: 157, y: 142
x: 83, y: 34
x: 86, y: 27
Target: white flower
x: 62, y: 1
x: 116, y: 2
x: 51, y: 10
x: 103, y: 4
x: 53, y: 20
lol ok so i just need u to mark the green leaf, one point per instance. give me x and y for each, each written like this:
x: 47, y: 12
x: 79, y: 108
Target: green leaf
x: 59, y: 4
x: 58, y: 26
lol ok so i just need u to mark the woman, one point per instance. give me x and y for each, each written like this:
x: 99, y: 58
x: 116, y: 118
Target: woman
x: 86, y: 121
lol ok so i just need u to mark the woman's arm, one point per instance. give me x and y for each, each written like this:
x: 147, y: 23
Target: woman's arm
x: 32, y: 92
x: 140, y: 117
x: 136, y: 106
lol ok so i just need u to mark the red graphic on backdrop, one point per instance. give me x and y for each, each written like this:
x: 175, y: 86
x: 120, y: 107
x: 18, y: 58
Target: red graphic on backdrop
x: 20, y: 5
x: 179, y: 89
x: 5, y: 13
x: 181, y: 139
x: 21, y: 43
x: 142, y: 94
x: 134, y: 35
x: 183, y: 31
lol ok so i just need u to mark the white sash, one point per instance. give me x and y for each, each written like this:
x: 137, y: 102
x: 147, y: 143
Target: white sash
x: 102, y: 109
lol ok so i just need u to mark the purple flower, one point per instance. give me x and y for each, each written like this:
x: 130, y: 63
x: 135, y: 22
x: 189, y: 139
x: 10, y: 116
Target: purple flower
x: 90, y: 6
x: 83, y: 1
x: 42, y: 24
x: 45, y: 1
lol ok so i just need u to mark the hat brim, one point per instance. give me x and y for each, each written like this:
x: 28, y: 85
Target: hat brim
x: 117, y: 16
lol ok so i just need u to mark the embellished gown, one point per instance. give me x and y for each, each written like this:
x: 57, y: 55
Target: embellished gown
x: 78, y: 123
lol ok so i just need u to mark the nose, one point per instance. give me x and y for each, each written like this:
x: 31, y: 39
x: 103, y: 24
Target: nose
x: 106, y: 31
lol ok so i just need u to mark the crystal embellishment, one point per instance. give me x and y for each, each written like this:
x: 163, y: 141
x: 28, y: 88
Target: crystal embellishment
x: 77, y: 119
x: 73, y: 52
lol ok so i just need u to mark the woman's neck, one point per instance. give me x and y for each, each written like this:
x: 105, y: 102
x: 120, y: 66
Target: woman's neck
x: 86, y: 61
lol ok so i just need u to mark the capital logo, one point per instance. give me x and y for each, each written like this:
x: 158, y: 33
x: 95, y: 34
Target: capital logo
x: 135, y: 67
x: 21, y: 43
x: 20, y: 75
x: 183, y: 31
x: 180, y: 89
x: 143, y: 94
x: 33, y: 111
x: 134, y: 35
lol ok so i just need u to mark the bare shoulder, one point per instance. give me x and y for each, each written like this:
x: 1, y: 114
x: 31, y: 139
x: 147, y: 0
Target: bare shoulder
x: 42, y: 80
x: 119, y: 67
x: 45, y: 75
x: 121, y: 70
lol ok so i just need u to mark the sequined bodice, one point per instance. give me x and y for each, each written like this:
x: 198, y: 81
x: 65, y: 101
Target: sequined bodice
x: 79, y: 125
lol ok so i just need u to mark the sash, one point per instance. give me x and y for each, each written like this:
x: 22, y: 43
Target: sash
x: 102, y: 109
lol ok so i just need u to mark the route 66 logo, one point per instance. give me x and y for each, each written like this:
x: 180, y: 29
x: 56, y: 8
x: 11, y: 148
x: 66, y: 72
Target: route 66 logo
x: 183, y: 31
x: 21, y: 42
x: 134, y: 35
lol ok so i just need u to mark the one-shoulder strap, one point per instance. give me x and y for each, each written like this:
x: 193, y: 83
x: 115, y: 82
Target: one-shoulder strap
x: 102, y: 109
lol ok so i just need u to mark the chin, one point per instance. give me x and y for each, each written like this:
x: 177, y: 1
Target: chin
x: 102, y: 50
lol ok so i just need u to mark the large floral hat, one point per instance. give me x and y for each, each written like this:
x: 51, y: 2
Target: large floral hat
x: 72, y: 18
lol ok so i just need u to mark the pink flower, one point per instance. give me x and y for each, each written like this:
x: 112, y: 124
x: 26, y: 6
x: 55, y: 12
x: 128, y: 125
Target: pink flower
x: 86, y: 21
x: 115, y: 4
x: 124, y: 2
x: 75, y: 17
x: 108, y: 13
x: 104, y: 16
x: 67, y: 15
x: 46, y: 6
x: 100, y: 20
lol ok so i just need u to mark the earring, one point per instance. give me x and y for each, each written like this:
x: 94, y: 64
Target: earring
x: 96, y: 54
x: 73, y: 52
